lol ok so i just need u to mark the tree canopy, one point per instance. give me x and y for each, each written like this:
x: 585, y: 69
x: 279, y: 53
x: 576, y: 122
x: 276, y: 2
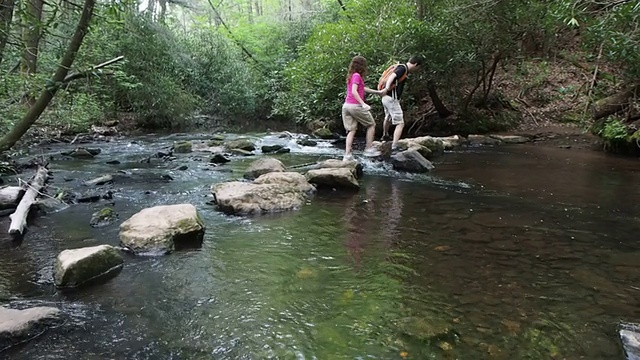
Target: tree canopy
x: 286, y: 59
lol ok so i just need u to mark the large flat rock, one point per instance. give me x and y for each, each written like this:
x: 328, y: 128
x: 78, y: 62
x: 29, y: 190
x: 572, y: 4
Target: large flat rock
x: 162, y: 229
x: 17, y: 326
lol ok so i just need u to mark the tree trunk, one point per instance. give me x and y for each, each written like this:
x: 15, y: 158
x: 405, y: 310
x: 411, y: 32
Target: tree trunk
x: 34, y: 112
x: 250, y: 11
x: 163, y: 11
x: 10, y: 195
x: 6, y: 16
x: 31, y: 37
x: 19, y: 217
x: 614, y: 103
x: 420, y: 9
x: 442, y: 110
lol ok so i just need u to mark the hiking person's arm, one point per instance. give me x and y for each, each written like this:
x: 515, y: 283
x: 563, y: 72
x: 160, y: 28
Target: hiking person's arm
x: 377, y: 92
x: 390, y: 81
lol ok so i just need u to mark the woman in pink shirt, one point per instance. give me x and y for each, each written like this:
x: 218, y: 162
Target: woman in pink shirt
x: 355, y: 110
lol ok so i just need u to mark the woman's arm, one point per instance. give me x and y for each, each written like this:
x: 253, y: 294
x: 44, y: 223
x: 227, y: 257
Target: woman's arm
x: 377, y: 92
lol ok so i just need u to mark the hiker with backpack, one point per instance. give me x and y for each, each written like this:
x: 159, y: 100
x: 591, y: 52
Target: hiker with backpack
x: 392, y: 83
x: 355, y: 111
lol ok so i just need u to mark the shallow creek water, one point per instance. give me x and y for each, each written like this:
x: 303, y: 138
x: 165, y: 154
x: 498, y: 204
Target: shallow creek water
x: 511, y: 252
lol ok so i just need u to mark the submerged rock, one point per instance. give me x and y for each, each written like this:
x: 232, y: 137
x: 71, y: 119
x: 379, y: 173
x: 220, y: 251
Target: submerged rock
x: 82, y: 153
x: 219, y: 159
x: 263, y: 166
x: 162, y: 229
x: 411, y: 161
x: 271, y: 192
x: 307, y: 142
x: 630, y: 338
x: 339, y: 178
x: 284, y: 150
x: 103, y: 217
x: 267, y: 149
x: 17, y: 326
x: 76, y: 267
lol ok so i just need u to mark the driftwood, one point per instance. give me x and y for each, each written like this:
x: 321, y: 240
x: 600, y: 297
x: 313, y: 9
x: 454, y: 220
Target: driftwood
x: 19, y: 217
x: 614, y: 103
x: 10, y: 195
x: 99, y: 180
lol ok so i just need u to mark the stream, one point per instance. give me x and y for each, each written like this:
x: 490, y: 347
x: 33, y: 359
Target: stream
x: 509, y: 252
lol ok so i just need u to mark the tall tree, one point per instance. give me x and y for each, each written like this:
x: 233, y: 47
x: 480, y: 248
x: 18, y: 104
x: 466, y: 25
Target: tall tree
x: 31, y: 36
x: 6, y: 16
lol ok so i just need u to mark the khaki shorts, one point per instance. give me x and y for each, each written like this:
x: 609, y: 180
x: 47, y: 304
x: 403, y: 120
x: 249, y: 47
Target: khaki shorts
x: 352, y: 114
x: 392, y: 109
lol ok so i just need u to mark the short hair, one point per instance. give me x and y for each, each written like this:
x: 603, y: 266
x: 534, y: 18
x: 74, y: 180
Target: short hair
x: 416, y: 59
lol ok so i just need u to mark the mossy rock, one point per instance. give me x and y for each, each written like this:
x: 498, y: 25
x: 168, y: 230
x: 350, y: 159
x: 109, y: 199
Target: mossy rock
x: 182, y: 147
x: 324, y: 133
x: 85, y: 265
x: 103, y: 217
x: 243, y: 144
x: 217, y: 137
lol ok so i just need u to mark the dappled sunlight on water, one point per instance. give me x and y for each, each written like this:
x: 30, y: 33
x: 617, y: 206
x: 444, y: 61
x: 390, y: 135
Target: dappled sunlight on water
x: 517, y: 252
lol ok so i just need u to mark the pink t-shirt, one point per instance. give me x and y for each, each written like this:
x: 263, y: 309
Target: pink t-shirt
x: 355, y: 79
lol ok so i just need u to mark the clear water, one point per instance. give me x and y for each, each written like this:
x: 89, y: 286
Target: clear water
x: 514, y: 252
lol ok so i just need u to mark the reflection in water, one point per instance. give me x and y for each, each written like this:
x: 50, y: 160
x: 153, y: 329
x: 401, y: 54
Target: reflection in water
x: 536, y: 259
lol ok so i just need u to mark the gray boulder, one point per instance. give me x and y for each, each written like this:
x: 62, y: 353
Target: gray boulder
x: 162, y: 229
x: 352, y: 165
x: 243, y: 144
x: 262, y: 166
x: 17, y: 326
x: 411, y: 161
x: 271, y: 192
x: 338, y: 178
x: 76, y: 267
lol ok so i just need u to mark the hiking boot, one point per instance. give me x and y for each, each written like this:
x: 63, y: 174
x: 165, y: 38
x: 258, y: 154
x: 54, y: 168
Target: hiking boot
x: 347, y: 158
x: 385, y: 138
x: 371, y: 152
x: 395, y: 150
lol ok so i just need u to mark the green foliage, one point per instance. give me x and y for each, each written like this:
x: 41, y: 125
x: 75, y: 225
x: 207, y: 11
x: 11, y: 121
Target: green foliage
x: 612, y: 26
x: 73, y: 112
x: 613, y: 130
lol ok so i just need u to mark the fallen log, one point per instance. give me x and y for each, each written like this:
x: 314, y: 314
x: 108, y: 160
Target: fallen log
x: 19, y: 217
x: 10, y: 195
x: 614, y: 103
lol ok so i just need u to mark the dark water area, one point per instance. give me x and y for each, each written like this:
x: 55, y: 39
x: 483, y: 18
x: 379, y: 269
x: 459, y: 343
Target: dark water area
x: 511, y: 252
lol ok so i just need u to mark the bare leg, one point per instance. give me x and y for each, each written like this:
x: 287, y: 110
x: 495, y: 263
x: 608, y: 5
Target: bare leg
x: 386, y: 125
x: 371, y: 132
x: 350, y: 136
x: 397, y: 133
